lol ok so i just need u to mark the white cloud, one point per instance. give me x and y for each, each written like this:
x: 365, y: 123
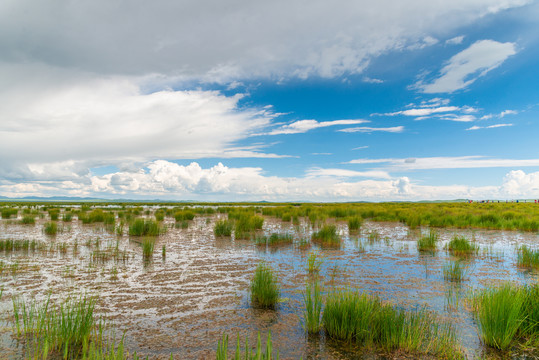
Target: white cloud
x: 468, y: 65
x: 372, y: 80
x: 456, y: 162
x: 277, y: 39
x: 455, y: 41
x: 518, y: 184
x: 164, y: 179
x: 361, y: 147
x: 86, y: 122
x: 489, y: 127
x: 423, y: 43
x: 458, y: 118
x: 347, y: 173
x: 366, y: 129
x: 303, y: 126
x: 508, y: 112
x: 424, y: 111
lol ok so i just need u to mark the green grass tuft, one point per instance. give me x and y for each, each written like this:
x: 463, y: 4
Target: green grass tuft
x: 312, y: 300
x: 460, y: 246
x: 327, y: 236
x: 223, y: 228
x: 264, y: 287
x: 428, y: 242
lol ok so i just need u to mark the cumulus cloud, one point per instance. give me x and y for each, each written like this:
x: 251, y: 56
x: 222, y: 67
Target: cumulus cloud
x: 519, y: 184
x: 475, y: 127
x: 79, y: 123
x: 468, y: 65
x: 303, y: 126
x: 164, y: 179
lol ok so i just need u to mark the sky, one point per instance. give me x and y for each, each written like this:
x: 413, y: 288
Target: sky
x: 283, y: 100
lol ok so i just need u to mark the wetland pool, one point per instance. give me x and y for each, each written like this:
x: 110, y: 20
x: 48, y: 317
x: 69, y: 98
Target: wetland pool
x: 182, y: 303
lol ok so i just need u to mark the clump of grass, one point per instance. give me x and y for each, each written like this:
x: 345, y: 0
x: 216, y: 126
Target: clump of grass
x: 28, y: 220
x: 148, y: 245
x: 454, y: 271
x: 500, y: 315
x: 354, y: 223
x: 184, y: 215
x: 148, y: 227
x: 164, y: 251
x: 327, y: 236
x: 246, y: 225
x: 264, y: 287
x: 260, y: 353
x: 159, y: 215
x: 314, y: 263
x: 312, y: 299
x: 427, y: 243
x: 362, y: 319
x: 223, y: 228
x: 62, y: 329
x: 50, y: 228
x: 527, y: 257
x: 461, y: 246
x: 8, y: 212
x: 274, y: 239
x: 67, y: 217
x: 54, y: 214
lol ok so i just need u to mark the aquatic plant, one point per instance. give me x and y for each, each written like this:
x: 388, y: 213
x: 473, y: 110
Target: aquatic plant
x: 50, y: 228
x: 499, y: 314
x: 274, y: 239
x: 527, y: 257
x: 264, y: 287
x: 67, y: 217
x: 461, y: 246
x: 354, y: 223
x: 223, y: 228
x: 259, y: 353
x: 28, y: 220
x: 314, y: 263
x: 327, y: 236
x: 428, y: 242
x: 454, y: 271
x: 147, y: 248
x: 312, y: 300
x: 364, y: 320
x: 148, y: 227
x: 8, y: 212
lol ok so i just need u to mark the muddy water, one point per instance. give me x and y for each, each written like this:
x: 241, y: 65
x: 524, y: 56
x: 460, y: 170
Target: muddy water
x: 182, y: 303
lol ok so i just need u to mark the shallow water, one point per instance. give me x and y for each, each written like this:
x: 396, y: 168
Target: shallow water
x: 184, y: 302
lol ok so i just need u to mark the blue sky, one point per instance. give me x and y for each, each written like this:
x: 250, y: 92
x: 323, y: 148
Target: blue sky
x: 278, y: 101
